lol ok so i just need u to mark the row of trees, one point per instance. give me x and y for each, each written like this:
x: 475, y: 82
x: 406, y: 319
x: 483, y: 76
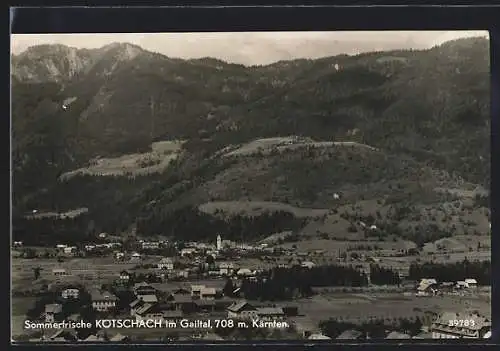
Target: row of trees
x: 451, y: 272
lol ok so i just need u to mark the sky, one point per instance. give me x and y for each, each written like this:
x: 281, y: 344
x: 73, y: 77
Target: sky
x: 252, y: 48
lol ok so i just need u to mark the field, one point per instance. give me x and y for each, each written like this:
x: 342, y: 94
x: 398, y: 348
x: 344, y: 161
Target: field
x: 256, y: 208
x: 357, y: 307
x: 88, y: 271
x: 20, y: 306
x: 156, y: 160
x: 68, y: 214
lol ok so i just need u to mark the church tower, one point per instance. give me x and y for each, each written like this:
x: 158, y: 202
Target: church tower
x: 219, y: 242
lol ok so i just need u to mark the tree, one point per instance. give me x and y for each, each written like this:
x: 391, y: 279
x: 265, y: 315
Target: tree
x: 228, y: 288
x: 36, y: 272
x: 210, y: 260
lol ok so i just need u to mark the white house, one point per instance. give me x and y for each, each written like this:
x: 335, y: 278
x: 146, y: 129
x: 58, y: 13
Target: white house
x: 373, y: 227
x: 103, y: 301
x: 187, y: 251
x: 136, y: 256
x: 245, y: 272
x: 124, y: 276
x: 70, y: 293
x: 308, y: 264
x: 61, y: 246
x: 471, y: 283
x: 150, y: 245
x: 166, y: 263
x: 467, y: 326
x: 103, y: 235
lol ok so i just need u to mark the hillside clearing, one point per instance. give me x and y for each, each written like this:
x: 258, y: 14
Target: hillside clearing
x: 256, y: 208
x: 266, y: 145
x: 155, y: 161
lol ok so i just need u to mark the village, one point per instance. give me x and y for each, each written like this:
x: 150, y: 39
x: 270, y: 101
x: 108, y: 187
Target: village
x: 202, y: 291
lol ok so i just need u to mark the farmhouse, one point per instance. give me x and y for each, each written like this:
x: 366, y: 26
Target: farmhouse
x: 187, y: 251
x: 196, y: 291
x: 53, y: 312
x: 142, y: 289
x: 241, y: 309
x: 103, y: 301
x: 467, y: 326
x: 70, y: 293
x: 226, y: 268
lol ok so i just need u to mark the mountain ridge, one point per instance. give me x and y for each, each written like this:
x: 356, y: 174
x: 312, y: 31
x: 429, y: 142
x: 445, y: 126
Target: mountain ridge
x: 423, y: 109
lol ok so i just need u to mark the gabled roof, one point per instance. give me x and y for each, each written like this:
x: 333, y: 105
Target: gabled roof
x: 144, y: 308
x: 350, y: 335
x: 471, y: 281
x: 103, y: 296
x: 318, y: 337
x: 53, y: 308
x: 172, y: 314
x: 118, y: 337
x: 136, y: 302
x: 149, y: 298
x: 240, y: 306
x: 270, y: 311
x: 397, y: 335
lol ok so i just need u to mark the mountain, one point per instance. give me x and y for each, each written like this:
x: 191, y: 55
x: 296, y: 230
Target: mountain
x: 424, y: 114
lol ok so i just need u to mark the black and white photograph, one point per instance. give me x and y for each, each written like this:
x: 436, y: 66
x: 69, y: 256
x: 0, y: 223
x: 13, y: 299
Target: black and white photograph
x: 250, y: 186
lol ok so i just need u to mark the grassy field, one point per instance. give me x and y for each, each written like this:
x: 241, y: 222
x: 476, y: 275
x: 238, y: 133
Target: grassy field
x: 156, y: 160
x: 358, y: 307
x: 88, y: 271
x: 20, y: 306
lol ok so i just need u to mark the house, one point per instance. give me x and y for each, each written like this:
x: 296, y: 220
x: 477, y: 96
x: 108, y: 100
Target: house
x: 143, y: 288
x: 124, y: 276
x: 461, y: 284
x: 350, y: 334
x: 18, y: 244
x: 307, y: 264
x: 245, y: 272
x: 166, y: 263
x: 304, y: 326
x: 103, y: 301
x: 69, y: 250
x: 203, y: 305
x: 119, y: 338
x: 187, y: 251
x: 270, y: 313
x: 208, y: 293
x: 135, y: 256
x: 318, y: 336
x: 397, y: 335
x: 183, y: 303
x: 150, y: 245
x: 451, y: 325
x: 53, y: 312
x: 426, y: 290
x: 196, y: 291
x: 471, y: 283
x: 149, y: 311
x: 241, y: 309
x: 70, y: 293
x: 59, y: 272
x: 61, y: 246
x: 103, y: 235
